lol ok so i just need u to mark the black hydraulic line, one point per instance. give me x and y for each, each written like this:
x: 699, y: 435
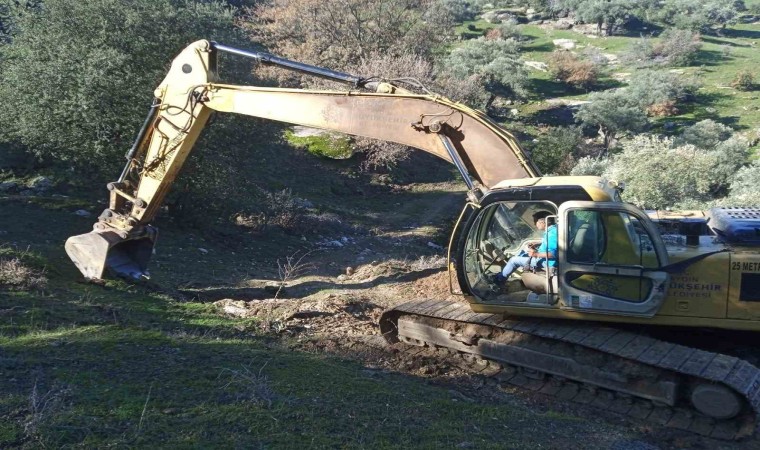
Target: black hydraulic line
x: 267, y: 58
x: 143, y: 131
x: 457, y: 160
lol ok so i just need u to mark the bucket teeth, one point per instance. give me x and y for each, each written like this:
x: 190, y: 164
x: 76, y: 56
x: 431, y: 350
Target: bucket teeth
x: 95, y: 252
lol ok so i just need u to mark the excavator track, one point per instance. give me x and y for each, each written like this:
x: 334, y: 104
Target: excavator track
x: 707, y: 393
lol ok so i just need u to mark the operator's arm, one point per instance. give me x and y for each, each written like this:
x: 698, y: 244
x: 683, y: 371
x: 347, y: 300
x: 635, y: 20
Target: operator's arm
x: 548, y: 248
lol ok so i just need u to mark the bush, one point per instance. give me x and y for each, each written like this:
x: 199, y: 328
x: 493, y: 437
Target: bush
x: 554, y: 152
x: 744, y: 81
x: 659, y: 175
x: 705, y: 134
x: 659, y: 92
x: 674, y: 48
x: 743, y: 190
x: 568, y: 68
x: 591, y: 166
x: 281, y: 209
x: 14, y: 274
x: 614, y: 113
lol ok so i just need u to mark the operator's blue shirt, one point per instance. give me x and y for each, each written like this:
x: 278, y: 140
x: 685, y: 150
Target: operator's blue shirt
x: 549, y: 244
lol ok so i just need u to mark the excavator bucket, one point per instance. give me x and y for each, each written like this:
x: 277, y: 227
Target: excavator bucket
x: 95, y: 252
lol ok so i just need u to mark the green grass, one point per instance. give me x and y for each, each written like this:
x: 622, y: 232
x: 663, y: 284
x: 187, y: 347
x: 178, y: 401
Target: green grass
x: 325, y: 145
x: 123, y: 365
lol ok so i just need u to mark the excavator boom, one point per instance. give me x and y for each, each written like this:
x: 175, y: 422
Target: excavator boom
x: 484, y: 153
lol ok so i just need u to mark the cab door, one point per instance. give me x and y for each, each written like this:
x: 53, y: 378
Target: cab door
x: 609, y: 255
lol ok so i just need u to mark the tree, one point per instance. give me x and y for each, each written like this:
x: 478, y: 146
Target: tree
x: 608, y: 15
x: 338, y: 33
x: 743, y: 191
x: 653, y: 89
x: 614, y: 112
x: 495, y: 62
x: 553, y: 153
x: 659, y: 175
x: 697, y: 15
x: 80, y: 75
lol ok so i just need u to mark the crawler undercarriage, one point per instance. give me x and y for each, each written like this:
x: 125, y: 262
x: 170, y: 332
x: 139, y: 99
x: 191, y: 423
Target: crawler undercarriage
x: 614, y: 369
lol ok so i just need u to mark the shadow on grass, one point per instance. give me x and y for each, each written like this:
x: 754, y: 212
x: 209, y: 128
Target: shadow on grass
x: 736, y: 33
x: 546, y: 47
x: 723, y: 41
x: 550, y: 88
x: 554, y: 116
x: 709, y: 58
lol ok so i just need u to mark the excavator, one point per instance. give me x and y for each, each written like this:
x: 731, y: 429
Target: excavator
x: 580, y: 330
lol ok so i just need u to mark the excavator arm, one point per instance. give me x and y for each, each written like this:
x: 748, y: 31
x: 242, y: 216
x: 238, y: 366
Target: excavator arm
x: 123, y: 238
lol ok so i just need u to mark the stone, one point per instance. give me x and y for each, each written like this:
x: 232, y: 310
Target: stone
x: 537, y: 65
x: 567, y: 44
x: 82, y: 213
x: 203, y: 250
x: 562, y: 24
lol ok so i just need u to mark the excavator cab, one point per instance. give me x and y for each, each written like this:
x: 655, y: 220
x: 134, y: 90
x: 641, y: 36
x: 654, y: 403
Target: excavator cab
x: 609, y: 260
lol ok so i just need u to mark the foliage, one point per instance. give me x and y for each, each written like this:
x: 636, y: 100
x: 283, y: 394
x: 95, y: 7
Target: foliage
x: 744, y: 183
x: 554, y: 151
x: 659, y: 175
x: 705, y: 134
x: 279, y: 208
x: 444, y: 14
x: 505, y: 30
x: 608, y: 15
x: 697, y: 15
x: 614, y: 112
x: 657, y: 89
x: 88, y: 68
x: 589, y: 165
x: 744, y: 81
x: 568, y: 68
x: 339, y: 33
x: 495, y: 62
x: 674, y: 48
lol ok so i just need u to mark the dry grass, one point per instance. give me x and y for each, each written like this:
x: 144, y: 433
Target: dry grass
x: 15, y: 275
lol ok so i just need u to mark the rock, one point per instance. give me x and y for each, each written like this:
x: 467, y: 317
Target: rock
x: 538, y: 65
x: 342, y: 277
x: 567, y: 44
x: 530, y: 11
x: 491, y: 17
x: 611, y: 58
x: 562, y: 24
x: 677, y: 71
x: 350, y: 271
x: 203, y: 250
x: 344, y: 240
x: 41, y: 184
x: 82, y: 213
x: 8, y: 186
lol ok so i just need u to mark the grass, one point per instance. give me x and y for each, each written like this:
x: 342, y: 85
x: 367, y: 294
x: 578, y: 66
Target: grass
x: 122, y: 365
x: 716, y: 66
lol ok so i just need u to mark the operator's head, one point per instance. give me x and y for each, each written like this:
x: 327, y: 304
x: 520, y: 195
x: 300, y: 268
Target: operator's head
x: 539, y: 219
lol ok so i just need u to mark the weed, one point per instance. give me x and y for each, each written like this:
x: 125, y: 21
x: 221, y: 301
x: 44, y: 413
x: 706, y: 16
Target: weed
x: 292, y: 267
x: 429, y: 262
x: 249, y: 385
x: 42, y: 408
x: 14, y: 274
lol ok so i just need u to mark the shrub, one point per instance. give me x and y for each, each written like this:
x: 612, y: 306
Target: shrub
x: 554, y: 151
x: 613, y: 112
x: 744, y: 81
x: 705, y: 134
x: 659, y: 92
x: 743, y: 189
x: 568, y: 68
x: 675, y: 48
x: 14, y: 274
x: 280, y: 208
x: 591, y: 166
x: 659, y: 175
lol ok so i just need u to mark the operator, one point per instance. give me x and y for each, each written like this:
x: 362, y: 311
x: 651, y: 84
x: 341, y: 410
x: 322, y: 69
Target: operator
x: 535, y: 258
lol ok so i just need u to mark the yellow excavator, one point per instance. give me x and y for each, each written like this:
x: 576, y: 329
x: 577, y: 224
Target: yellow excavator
x: 620, y: 271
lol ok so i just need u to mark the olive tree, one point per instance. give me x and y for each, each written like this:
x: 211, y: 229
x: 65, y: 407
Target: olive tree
x: 496, y: 63
x: 614, y: 112
x: 80, y: 75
